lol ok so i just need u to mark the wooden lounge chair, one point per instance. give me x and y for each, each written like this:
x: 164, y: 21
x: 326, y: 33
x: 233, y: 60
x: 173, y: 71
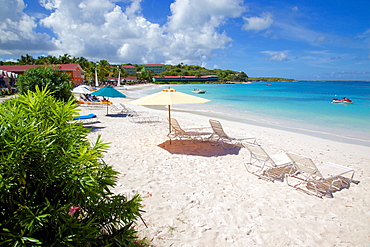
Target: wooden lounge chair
x: 192, y: 134
x: 274, y: 168
x: 219, y: 136
x: 323, y: 179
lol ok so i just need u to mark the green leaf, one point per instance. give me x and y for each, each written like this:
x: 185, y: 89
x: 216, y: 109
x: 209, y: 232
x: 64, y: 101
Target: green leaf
x: 48, y: 165
x: 32, y: 240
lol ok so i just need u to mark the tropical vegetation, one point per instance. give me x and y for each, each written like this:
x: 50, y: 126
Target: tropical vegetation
x: 104, y: 69
x: 58, y: 82
x: 55, y: 189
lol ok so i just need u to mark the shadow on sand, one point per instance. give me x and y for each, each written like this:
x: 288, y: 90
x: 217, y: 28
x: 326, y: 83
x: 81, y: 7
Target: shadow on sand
x: 94, y: 128
x: 117, y: 115
x: 197, y: 148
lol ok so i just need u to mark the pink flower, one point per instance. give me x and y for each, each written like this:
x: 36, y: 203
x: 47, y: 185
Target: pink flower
x: 74, y: 209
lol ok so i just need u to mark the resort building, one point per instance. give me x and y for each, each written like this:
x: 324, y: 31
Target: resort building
x: 129, y: 80
x: 123, y: 80
x: 7, y: 80
x: 129, y: 68
x: 185, y: 79
x: 156, y: 68
x: 74, y: 70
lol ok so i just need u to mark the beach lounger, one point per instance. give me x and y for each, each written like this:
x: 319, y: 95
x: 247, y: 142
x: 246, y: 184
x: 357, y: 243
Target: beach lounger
x: 323, y: 179
x: 132, y: 113
x: 124, y: 108
x: 219, y: 136
x: 197, y: 133
x: 141, y: 117
x: 94, y: 102
x: 274, y: 167
x: 117, y: 110
x: 86, y: 118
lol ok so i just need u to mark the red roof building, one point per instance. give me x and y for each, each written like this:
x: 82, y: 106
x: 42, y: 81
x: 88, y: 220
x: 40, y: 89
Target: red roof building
x: 185, y: 79
x: 156, y: 68
x: 129, y: 68
x: 74, y: 70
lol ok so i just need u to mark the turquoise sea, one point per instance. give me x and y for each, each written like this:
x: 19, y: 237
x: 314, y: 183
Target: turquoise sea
x: 303, y: 106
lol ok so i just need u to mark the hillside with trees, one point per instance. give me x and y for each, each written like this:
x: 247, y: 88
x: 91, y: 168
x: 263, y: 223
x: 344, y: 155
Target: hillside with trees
x: 105, y: 69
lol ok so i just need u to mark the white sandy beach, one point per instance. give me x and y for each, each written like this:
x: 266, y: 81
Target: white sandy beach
x: 202, y: 195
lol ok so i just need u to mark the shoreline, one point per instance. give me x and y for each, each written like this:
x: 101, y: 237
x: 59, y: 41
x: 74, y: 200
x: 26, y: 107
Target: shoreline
x: 295, y: 129
x: 322, y: 135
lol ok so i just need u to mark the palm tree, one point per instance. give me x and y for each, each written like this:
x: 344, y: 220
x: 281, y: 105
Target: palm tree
x: 103, y: 69
x: 83, y: 62
x: 47, y: 60
x: 65, y: 59
x: 26, y: 60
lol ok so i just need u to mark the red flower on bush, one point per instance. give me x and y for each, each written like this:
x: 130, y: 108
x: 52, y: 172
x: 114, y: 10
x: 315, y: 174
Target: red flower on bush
x: 74, y: 209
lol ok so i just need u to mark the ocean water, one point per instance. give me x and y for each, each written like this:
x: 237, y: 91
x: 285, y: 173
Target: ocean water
x: 303, y: 106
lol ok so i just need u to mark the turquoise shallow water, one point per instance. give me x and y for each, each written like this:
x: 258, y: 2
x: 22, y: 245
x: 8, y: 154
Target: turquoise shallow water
x: 296, y: 106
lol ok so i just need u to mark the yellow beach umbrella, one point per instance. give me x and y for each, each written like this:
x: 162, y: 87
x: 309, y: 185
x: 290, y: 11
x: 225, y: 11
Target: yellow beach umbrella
x: 169, y: 97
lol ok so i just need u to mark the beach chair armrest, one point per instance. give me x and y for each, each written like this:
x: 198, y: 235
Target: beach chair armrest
x: 332, y: 170
x: 198, y: 128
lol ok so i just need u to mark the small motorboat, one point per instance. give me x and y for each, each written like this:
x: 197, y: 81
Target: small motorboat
x: 197, y: 90
x: 342, y: 101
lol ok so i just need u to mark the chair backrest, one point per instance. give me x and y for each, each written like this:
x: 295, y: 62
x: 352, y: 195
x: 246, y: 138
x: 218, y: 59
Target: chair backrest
x: 124, y: 107
x: 217, y: 129
x: 304, y: 164
x: 133, y: 113
x: 176, y: 126
x: 257, y: 152
x: 114, y: 108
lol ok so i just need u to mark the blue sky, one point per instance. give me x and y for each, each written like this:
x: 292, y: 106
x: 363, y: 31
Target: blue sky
x: 304, y: 40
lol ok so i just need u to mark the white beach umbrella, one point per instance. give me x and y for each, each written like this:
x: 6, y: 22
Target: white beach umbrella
x: 81, y: 89
x: 96, y: 79
x: 119, y: 79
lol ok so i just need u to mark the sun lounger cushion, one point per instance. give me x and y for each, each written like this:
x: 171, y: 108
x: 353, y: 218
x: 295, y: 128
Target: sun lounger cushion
x: 85, y: 117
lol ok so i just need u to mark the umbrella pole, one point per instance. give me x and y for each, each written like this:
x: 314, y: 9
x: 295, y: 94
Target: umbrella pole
x: 107, y: 105
x: 169, y: 120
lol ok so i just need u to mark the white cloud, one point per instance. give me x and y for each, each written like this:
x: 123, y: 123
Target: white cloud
x: 295, y: 32
x: 258, y: 23
x: 365, y: 36
x: 192, y: 37
x: 100, y: 29
x: 277, y: 55
x: 17, y: 30
x: 191, y: 14
x: 287, y: 25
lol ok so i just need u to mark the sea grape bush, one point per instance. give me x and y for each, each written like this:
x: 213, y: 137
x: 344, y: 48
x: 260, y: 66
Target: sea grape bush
x: 58, y: 82
x: 55, y: 189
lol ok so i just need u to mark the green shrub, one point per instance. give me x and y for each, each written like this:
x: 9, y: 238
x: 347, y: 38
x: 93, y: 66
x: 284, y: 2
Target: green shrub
x: 54, y: 185
x: 58, y: 82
